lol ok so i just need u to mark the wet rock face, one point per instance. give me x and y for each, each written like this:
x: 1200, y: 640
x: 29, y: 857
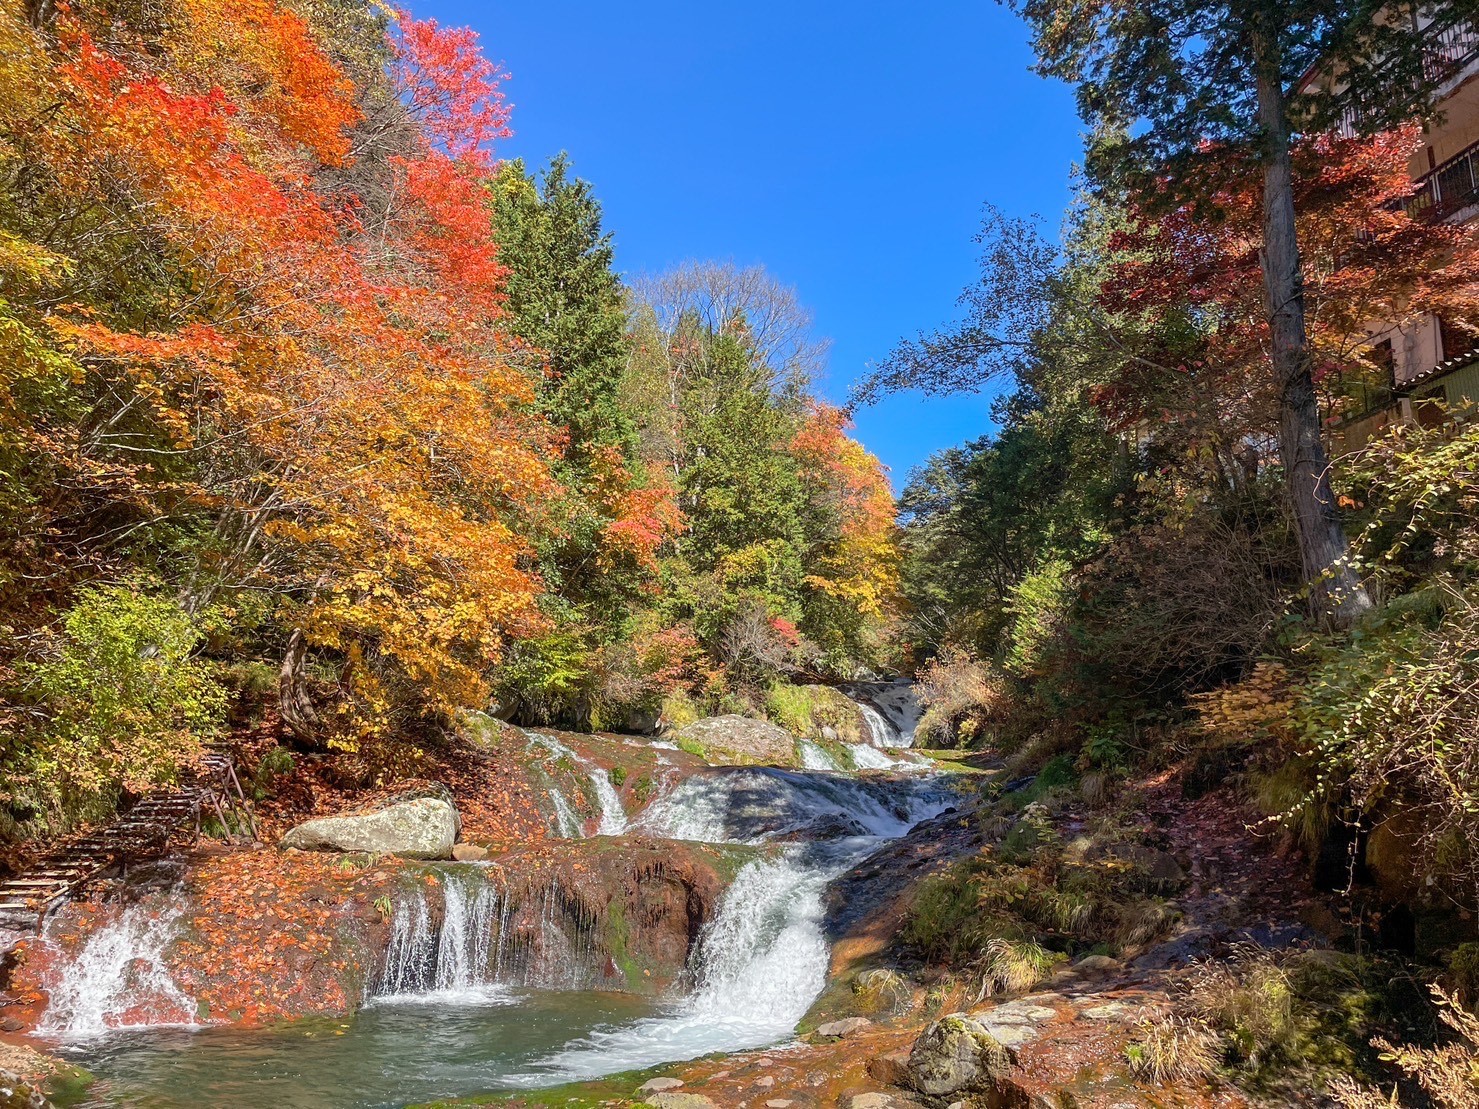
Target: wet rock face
x: 419, y: 828
x: 739, y: 739
x: 957, y: 1055
x: 646, y: 901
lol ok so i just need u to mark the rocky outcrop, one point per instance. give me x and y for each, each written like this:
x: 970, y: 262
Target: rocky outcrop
x: 957, y: 1055
x: 739, y: 740
x: 423, y: 827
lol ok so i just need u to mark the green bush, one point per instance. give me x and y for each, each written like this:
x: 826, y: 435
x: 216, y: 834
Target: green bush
x: 126, y: 703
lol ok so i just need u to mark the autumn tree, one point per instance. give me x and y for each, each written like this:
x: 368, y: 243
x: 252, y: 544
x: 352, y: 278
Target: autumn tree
x: 1173, y: 88
x: 1195, y: 283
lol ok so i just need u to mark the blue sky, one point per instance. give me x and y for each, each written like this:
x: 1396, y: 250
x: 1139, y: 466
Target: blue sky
x: 848, y: 148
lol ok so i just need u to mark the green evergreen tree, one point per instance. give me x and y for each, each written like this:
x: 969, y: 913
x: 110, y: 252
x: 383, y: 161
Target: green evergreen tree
x: 565, y: 301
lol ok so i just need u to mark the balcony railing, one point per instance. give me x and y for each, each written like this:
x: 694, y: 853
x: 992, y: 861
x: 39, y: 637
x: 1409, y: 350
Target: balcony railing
x: 1450, y: 188
x: 1450, y: 49
x: 1447, y: 50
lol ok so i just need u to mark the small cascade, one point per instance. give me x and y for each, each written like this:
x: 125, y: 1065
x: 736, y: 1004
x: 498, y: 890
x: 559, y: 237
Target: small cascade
x: 484, y: 943
x: 759, y: 964
x: 448, y: 963
x: 898, y: 705
x: 763, y: 958
x: 120, y: 979
x: 753, y: 804
x: 867, y: 757
x: 613, y: 817
x: 813, y: 757
x: 881, y: 733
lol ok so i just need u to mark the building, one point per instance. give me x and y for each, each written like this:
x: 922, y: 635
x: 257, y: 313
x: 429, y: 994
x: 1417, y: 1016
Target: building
x: 1424, y: 359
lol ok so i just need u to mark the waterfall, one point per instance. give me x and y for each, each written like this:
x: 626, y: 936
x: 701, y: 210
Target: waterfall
x: 896, y: 703
x: 119, y: 979
x: 759, y: 963
x: 448, y: 963
x: 483, y: 944
x: 613, y: 816
x: 762, y: 959
x: 881, y: 733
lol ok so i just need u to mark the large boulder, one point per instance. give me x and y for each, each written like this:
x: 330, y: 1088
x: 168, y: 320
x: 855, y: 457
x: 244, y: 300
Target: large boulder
x: 733, y: 739
x: 957, y: 1055
x: 412, y: 827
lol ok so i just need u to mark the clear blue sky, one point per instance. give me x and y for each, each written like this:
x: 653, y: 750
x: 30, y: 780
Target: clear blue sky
x: 848, y: 148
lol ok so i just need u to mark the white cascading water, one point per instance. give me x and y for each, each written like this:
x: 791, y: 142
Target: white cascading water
x: 762, y: 960
x: 867, y: 757
x: 613, y: 816
x: 452, y: 963
x: 119, y: 980
x: 475, y: 954
x: 899, y: 705
x: 813, y: 757
x: 881, y: 733
x: 753, y: 804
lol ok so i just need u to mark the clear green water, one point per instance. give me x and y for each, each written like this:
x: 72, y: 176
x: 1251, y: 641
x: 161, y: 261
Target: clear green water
x: 383, y: 1056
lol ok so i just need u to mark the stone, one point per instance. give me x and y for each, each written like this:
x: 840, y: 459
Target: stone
x: 765, y: 1083
x: 957, y: 1055
x: 779, y: 1103
x: 658, y: 1085
x: 1112, y: 1010
x: 469, y: 852
x: 738, y: 739
x: 1015, y: 1022
x: 1098, y: 964
x: 681, y: 1101
x: 870, y: 1101
x: 419, y: 828
x: 891, y: 1068
x: 845, y: 1027
x: 15, y: 1093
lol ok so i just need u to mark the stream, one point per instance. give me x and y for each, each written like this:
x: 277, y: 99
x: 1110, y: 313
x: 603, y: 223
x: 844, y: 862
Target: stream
x: 455, y: 1010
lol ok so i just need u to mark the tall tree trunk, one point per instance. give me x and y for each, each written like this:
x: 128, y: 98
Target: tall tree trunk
x: 294, y: 701
x: 1323, y: 546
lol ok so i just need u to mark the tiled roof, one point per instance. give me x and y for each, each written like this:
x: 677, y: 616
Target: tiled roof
x: 1447, y: 366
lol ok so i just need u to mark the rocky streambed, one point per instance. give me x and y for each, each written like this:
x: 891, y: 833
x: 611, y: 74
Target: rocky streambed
x: 664, y: 909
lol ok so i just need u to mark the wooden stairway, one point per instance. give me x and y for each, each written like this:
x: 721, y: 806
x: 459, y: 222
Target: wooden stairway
x: 143, y: 832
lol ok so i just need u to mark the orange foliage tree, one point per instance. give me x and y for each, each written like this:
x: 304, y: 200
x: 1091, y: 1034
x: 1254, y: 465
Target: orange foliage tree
x: 298, y: 361
x: 855, y: 565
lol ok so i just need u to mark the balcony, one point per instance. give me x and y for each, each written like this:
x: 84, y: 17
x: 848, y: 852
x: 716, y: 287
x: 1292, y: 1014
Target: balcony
x: 1450, y: 49
x: 1449, y: 188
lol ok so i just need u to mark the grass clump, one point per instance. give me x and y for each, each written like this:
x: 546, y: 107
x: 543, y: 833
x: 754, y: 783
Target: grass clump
x: 1173, y: 1048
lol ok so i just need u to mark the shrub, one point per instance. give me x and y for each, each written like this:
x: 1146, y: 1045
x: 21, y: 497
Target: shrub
x: 960, y: 695
x: 1449, y: 1074
x: 1249, y: 999
x: 1391, y: 724
x: 126, y: 703
x: 1015, y: 965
